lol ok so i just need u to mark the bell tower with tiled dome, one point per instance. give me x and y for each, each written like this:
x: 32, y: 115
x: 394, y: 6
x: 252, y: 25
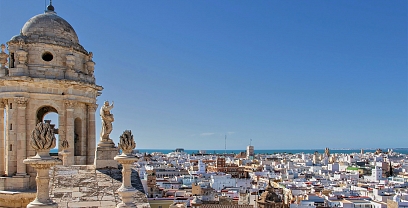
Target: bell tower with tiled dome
x: 45, y: 69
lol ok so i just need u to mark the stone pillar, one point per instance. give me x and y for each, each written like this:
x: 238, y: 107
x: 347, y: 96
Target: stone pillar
x: 11, y: 140
x: 69, y: 129
x: 91, y: 130
x: 65, y: 154
x: 42, y: 163
x: 21, y: 146
x: 126, y: 191
x: 2, y: 139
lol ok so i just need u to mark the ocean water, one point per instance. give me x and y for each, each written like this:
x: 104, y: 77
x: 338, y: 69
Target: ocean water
x: 291, y: 151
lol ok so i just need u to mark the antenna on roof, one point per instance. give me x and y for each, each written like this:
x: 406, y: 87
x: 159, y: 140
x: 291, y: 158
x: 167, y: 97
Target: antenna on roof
x: 225, y: 152
x: 250, y: 141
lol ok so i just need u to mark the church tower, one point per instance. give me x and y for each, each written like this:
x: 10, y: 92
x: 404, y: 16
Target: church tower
x: 46, y: 70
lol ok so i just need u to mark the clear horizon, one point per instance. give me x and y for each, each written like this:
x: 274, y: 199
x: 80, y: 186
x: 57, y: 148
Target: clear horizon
x: 288, y: 75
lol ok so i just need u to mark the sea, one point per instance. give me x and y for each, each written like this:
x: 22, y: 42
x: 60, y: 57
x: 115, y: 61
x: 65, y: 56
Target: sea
x: 272, y: 151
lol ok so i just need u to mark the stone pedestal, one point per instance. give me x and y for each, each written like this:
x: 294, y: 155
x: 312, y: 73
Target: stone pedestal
x: 104, y: 154
x: 65, y: 154
x: 126, y: 191
x: 42, y: 163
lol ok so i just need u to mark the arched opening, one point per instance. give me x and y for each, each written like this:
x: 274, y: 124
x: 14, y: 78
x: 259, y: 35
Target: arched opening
x: 78, y: 137
x: 49, y: 115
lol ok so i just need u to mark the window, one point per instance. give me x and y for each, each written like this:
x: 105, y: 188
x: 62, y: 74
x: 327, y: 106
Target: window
x: 11, y: 61
x: 47, y: 56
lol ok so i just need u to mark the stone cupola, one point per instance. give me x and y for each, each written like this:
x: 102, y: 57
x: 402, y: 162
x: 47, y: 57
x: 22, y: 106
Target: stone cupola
x: 45, y: 70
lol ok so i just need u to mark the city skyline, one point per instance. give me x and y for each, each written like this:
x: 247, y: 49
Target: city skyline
x: 288, y: 75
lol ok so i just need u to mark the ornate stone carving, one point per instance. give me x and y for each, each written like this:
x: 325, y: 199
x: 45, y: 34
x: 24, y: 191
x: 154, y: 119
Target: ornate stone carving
x: 69, y: 104
x: 42, y: 137
x: 21, y: 57
x: 107, y: 119
x: 3, y: 57
x: 64, y: 144
x: 127, y: 143
x: 3, y: 103
x: 21, y: 101
x: 90, y: 65
x: 92, y: 107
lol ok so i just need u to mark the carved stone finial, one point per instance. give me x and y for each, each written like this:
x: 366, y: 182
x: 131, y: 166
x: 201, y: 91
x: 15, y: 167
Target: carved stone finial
x: 64, y: 144
x: 42, y: 137
x: 127, y: 143
x: 3, y: 57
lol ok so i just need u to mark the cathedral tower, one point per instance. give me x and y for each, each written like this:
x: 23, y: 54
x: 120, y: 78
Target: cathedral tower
x: 46, y: 70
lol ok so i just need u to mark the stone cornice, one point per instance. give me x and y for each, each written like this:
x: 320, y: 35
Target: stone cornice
x: 63, y: 82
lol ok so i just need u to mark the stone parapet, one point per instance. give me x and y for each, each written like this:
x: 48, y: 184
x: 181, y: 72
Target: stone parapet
x: 16, y: 199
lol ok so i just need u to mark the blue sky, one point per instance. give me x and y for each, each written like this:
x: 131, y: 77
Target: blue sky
x: 286, y: 74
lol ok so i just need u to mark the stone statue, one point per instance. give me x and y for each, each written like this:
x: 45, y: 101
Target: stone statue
x: 107, y: 119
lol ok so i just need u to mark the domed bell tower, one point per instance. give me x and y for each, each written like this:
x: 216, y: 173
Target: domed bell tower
x: 46, y: 70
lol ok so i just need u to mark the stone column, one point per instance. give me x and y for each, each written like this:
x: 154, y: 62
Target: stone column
x: 21, y: 146
x: 126, y: 191
x: 42, y: 167
x: 42, y: 140
x: 11, y: 140
x: 65, y: 154
x: 69, y: 126
x: 2, y: 139
x: 91, y: 137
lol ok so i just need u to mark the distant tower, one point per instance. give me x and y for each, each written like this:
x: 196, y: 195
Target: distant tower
x: 327, y: 152
x: 151, y: 182
x: 316, y: 157
x: 362, y: 151
x: 250, y: 152
x: 201, y: 167
x: 220, y: 162
x: 377, y: 173
x: 48, y: 72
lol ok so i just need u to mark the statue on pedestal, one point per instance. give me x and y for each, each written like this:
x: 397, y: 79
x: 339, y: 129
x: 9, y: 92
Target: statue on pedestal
x: 107, y: 119
x: 106, y: 150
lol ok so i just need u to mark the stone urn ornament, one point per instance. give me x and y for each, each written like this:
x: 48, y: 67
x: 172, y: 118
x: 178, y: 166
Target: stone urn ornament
x: 64, y: 152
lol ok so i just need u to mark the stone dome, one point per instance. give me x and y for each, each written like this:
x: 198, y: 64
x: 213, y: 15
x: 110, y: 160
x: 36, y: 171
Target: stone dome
x: 49, y: 26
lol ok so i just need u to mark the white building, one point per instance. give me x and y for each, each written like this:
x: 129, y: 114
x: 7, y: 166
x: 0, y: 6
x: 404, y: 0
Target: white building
x: 219, y: 182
